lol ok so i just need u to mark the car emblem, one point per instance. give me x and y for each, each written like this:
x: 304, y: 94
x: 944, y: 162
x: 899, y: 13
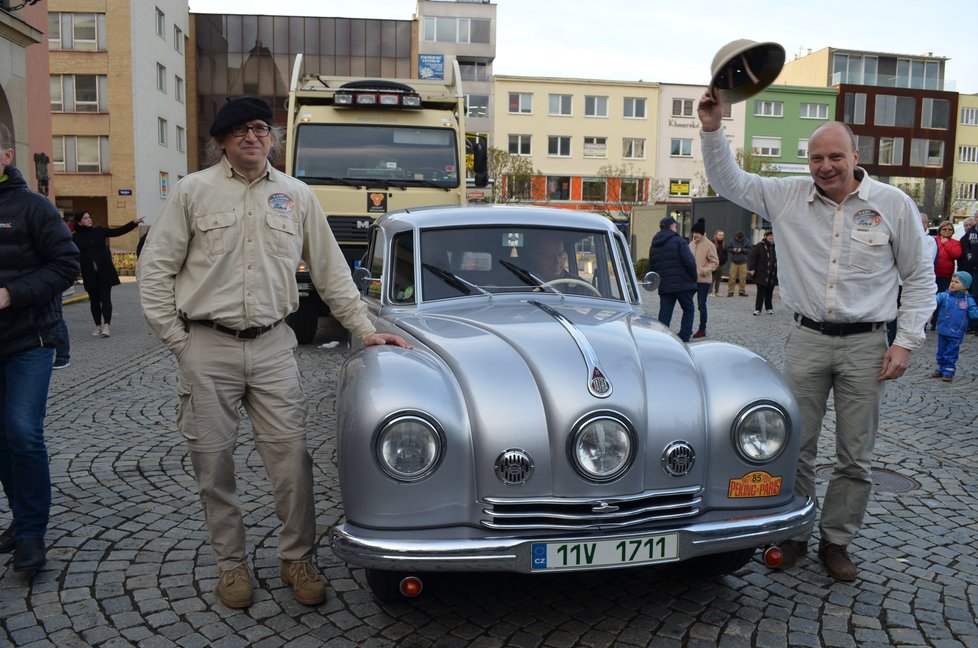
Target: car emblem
x: 603, y: 507
x: 599, y: 384
x: 678, y: 458
x: 514, y: 467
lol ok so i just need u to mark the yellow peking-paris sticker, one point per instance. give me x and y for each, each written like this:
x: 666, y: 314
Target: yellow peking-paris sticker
x: 755, y: 484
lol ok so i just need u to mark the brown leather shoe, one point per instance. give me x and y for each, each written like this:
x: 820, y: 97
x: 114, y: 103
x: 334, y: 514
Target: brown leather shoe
x: 307, y: 585
x: 791, y: 551
x: 837, y: 561
x: 234, y: 587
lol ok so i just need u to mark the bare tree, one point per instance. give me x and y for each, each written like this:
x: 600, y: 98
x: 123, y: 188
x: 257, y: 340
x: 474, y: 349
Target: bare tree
x: 511, y: 176
x: 624, y: 188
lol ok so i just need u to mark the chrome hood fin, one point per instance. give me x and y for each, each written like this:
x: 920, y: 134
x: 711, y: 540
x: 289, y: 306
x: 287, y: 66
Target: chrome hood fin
x: 598, y: 383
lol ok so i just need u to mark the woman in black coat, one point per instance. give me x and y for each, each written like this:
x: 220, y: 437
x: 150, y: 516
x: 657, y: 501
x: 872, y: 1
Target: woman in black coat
x: 98, y: 273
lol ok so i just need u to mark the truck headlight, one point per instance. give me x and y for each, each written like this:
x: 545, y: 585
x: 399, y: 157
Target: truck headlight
x: 602, y: 448
x: 760, y: 432
x: 409, y: 447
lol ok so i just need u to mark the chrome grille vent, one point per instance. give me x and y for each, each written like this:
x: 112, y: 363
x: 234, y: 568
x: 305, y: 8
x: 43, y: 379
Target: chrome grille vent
x: 678, y: 458
x: 514, y: 467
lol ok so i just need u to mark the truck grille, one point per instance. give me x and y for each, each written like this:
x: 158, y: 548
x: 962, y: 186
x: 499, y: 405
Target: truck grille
x: 591, y: 513
x: 350, y: 229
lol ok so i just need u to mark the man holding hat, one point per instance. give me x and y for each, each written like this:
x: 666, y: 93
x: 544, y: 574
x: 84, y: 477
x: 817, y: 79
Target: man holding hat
x: 670, y: 257
x: 216, y: 281
x: 846, y: 241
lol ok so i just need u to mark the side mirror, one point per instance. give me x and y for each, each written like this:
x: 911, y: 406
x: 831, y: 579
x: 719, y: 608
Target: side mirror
x: 650, y: 281
x: 361, y: 277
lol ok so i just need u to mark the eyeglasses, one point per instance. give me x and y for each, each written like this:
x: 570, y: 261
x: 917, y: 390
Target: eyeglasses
x: 260, y: 130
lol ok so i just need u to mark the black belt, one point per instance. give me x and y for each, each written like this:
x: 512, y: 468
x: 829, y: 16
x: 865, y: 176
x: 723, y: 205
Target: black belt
x: 244, y: 334
x: 834, y: 328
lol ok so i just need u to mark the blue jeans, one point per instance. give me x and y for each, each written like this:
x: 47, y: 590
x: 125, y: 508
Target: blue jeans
x: 667, y: 302
x: 63, y: 349
x: 24, y: 472
x: 948, y: 348
x: 702, y: 292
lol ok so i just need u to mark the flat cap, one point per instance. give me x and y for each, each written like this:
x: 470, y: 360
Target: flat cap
x: 238, y: 111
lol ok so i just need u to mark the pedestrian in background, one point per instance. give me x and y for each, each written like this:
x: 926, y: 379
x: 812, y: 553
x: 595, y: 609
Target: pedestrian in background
x: 955, y: 309
x: 948, y: 251
x: 968, y: 261
x: 38, y: 261
x: 738, y: 251
x: 929, y: 253
x: 98, y: 272
x: 721, y: 246
x: 846, y: 242
x: 217, y: 290
x: 670, y: 257
x: 763, y: 267
x: 705, y: 254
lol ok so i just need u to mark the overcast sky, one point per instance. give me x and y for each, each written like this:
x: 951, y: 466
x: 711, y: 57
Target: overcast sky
x: 674, y: 42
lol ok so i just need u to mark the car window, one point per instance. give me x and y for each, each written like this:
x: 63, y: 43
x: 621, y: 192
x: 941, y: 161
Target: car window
x: 375, y: 263
x: 402, y: 269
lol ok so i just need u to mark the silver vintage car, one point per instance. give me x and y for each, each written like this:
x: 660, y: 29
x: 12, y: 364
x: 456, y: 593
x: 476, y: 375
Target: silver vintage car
x: 542, y: 420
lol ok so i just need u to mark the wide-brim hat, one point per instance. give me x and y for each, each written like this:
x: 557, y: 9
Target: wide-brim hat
x: 743, y: 68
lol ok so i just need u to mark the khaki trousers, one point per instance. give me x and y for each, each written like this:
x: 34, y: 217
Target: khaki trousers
x: 849, y: 366
x: 219, y: 373
x: 737, y: 274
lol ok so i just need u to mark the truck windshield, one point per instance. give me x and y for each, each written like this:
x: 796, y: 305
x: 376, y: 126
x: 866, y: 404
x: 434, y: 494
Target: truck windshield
x: 395, y: 154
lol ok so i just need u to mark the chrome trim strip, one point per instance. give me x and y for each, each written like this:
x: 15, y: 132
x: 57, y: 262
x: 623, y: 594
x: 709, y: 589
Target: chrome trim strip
x: 595, y: 372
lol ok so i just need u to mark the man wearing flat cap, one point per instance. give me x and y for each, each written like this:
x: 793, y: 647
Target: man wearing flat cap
x: 216, y: 281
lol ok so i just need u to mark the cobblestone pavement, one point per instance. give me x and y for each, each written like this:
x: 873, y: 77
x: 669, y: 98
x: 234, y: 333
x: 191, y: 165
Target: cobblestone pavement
x: 130, y: 563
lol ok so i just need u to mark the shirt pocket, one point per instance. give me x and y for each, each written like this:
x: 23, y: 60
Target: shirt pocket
x: 214, y: 230
x: 869, y: 251
x: 282, y: 236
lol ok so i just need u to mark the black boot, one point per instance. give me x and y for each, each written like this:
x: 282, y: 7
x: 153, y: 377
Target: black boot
x: 7, y: 541
x: 30, y: 554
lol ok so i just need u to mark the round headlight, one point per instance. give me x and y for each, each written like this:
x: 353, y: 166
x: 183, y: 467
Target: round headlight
x: 760, y: 432
x: 408, y: 448
x: 602, y: 448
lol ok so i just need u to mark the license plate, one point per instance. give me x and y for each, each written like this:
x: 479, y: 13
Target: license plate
x: 602, y: 553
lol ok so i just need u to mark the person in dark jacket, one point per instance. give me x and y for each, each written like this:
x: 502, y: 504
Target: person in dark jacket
x: 721, y: 246
x: 763, y: 267
x: 738, y: 249
x: 98, y: 273
x: 38, y: 261
x: 671, y: 258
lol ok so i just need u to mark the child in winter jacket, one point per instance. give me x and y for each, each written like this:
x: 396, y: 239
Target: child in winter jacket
x: 954, y: 309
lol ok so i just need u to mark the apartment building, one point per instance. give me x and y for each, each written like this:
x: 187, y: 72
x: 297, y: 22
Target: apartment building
x: 900, y: 112
x: 965, y: 201
x: 779, y: 122
x: 591, y: 143
x: 118, y: 106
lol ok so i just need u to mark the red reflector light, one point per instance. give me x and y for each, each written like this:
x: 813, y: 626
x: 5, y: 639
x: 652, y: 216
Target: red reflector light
x: 411, y: 586
x: 773, y: 557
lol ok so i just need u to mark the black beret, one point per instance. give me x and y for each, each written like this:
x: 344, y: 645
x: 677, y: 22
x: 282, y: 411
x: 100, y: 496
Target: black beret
x: 238, y: 111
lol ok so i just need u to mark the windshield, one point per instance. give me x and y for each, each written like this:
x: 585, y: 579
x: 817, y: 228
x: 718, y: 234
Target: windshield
x: 396, y: 155
x: 458, y: 262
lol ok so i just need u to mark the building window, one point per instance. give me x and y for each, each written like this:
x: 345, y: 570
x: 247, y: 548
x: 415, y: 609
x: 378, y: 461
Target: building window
x: 442, y: 29
x: 632, y: 190
x: 634, y: 108
x: 855, y: 108
x: 968, y: 154
x: 935, y: 113
x: 519, y: 187
x: 160, y: 23
x: 161, y: 77
x: 596, y: 106
x: 76, y: 154
x: 558, y: 146
x: 633, y: 148
x: 803, y: 148
x: 560, y: 104
x: 594, y: 189
x: 969, y: 116
x: 181, y: 138
x: 58, y: 154
x: 473, y: 71
x: 75, y: 31
x: 178, y: 89
x: 894, y: 111
x: 178, y: 39
x: 78, y: 93
x: 891, y: 151
x: 765, y: 146
x: 520, y: 102
x: 84, y: 32
x: 681, y: 147
x: 857, y: 70
x: 595, y: 147
x: 926, y: 152
x: 966, y: 191
x: 477, y: 105
x: 814, y: 111
x: 867, y: 149
x: 768, y: 108
x: 57, y: 93
x: 54, y: 30
x: 918, y: 74
x: 682, y: 107
x: 86, y: 93
x: 161, y: 128
x: 519, y: 144
x: 558, y: 187
x: 679, y: 187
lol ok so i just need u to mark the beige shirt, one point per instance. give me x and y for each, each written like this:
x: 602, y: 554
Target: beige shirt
x: 225, y: 250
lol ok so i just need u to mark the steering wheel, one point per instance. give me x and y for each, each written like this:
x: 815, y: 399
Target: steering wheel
x: 571, y: 281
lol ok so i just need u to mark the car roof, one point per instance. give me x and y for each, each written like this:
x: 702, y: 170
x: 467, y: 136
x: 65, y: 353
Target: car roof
x: 425, y: 217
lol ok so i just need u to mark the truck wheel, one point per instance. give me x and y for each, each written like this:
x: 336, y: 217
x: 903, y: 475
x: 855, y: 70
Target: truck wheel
x: 304, y: 322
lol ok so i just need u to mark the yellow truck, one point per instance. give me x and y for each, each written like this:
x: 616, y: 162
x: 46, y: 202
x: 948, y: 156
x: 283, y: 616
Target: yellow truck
x: 371, y: 146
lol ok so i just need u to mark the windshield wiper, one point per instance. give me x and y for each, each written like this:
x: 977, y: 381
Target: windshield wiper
x: 403, y: 184
x: 332, y: 180
x: 528, y: 277
x: 455, y: 281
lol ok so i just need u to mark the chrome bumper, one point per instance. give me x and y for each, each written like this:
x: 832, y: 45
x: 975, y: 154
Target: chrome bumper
x: 395, y: 552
